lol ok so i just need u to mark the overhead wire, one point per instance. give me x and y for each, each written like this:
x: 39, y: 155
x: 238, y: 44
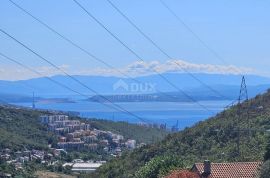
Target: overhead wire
x: 147, y: 37
x: 137, y: 55
x: 87, y: 52
x: 119, y: 108
x: 196, y: 36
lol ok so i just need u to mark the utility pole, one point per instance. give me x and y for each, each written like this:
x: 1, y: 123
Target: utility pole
x: 243, y: 96
x: 33, y: 101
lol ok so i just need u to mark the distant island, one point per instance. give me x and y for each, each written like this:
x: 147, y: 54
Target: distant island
x: 17, y: 98
x: 55, y: 100
x: 155, y: 97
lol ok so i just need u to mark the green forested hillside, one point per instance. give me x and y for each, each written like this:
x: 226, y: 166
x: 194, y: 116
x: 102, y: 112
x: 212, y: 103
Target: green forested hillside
x: 214, y: 139
x: 21, y: 127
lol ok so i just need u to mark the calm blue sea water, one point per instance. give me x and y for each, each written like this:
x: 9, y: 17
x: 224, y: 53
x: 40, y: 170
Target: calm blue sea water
x: 154, y: 112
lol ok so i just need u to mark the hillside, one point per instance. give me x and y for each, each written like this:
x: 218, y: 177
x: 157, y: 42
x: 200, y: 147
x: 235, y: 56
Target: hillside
x: 214, y: 139
x: 141, y: 134
x: 21, y: 127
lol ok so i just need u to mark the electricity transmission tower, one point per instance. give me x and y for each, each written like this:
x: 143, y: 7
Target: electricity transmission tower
x: 242, y: 110
x: 243, y: 95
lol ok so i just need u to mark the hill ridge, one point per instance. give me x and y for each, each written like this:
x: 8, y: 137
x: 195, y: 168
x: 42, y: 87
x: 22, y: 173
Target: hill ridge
x: 214, y: 139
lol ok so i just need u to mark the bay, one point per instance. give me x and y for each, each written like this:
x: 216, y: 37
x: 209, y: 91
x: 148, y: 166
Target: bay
x: 169, y: 113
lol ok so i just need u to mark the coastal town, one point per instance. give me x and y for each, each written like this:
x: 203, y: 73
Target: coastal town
x: 134, y: 89
x: 77, y: 135
x: 72, y: 135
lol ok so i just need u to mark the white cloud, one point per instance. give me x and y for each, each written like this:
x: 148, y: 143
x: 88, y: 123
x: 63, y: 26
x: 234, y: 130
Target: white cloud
x: 137, y: 68
x: 18, y: 73
x: 143, y: 68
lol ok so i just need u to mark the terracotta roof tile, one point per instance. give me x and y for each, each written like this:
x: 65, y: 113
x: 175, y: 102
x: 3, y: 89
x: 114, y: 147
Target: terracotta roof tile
x: 183, y: 174
x: 232, y: 170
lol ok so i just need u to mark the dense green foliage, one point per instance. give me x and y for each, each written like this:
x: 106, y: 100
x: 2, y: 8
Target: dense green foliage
x: 159, y: 166
x: 27, y: 172
x: 214, y: 139
x: 265, y: 169
x: 21, y: 128
x: 267, y: 153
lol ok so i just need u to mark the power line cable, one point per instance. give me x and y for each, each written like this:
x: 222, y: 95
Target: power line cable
x: 136, y: 54
x: 196, y: 36
x: 64, y: 37
x: 76, y: 45
x: 164, y: 52
x: 79, y: 47
x: 160, y: 49
x: 52, y: 80
x: 40, y: 74
x: 69, y: 76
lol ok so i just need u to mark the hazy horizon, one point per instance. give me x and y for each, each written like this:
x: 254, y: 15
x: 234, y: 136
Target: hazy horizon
x: 241, y: 46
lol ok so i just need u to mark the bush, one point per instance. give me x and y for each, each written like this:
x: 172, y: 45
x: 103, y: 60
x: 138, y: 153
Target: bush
x: 159, y: 166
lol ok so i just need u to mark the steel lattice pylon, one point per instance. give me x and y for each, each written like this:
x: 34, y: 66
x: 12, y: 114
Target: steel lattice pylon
x: 242, y: 110
x: 243, y: 95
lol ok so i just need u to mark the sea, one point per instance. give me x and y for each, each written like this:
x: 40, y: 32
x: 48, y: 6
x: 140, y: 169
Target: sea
x: 180, y: 114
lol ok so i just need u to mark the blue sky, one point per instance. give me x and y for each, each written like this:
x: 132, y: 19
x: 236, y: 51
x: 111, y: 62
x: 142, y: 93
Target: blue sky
x: 238, y: 30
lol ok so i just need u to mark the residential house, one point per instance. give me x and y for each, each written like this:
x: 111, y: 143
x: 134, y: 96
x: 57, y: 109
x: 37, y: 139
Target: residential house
x: 52, y: 118
x: 182, y: 174
x: 227, y: 170
x: 131, y: 144
x: 92, y: 147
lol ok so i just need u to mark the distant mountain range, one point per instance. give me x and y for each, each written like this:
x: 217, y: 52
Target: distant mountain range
x: 227, y: 85
x: 200, y: 94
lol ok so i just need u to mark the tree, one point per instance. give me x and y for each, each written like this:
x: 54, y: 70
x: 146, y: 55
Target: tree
x: 267, y: 153
x: 265, y: 170
x: 159, y: 166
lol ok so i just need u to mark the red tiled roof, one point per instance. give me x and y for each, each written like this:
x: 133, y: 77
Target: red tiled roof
x: 183, y: 174
x: 232, y: 170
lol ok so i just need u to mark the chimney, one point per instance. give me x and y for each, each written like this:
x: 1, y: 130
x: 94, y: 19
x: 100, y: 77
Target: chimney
x: 207, y: 168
